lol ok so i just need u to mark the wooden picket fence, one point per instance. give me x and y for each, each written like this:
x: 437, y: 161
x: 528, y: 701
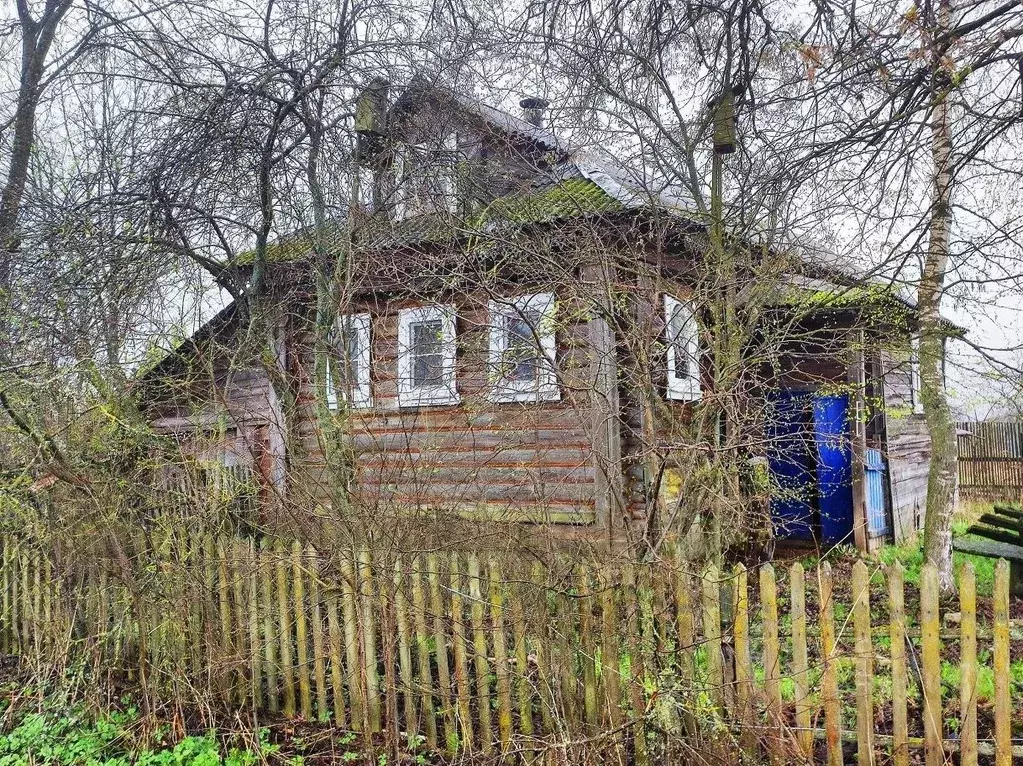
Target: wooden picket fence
x: 487, y: 656
x: 991, y: 459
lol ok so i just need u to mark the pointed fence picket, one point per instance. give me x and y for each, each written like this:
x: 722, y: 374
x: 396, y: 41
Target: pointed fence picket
x: 481, y: 654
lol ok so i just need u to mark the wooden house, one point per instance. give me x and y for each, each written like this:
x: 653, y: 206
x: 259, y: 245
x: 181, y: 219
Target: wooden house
x: 520, y: 344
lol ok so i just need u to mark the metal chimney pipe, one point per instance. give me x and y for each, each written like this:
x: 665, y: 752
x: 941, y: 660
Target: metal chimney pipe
x: 533, y: 108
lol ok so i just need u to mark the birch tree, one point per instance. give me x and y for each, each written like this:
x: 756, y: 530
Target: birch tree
x: 928, y: 97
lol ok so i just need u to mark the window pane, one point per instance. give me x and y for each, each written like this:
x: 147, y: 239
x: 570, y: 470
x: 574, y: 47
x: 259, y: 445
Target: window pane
x: 347, y: 344
x: 427, y: 353
x: 678, y: 333
x: 521, y: 355
x: 350, y: 339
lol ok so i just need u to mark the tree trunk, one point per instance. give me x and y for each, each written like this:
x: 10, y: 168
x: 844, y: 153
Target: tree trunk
x: 36, y: 38
x: 941, y: 479
x: 331, y: 285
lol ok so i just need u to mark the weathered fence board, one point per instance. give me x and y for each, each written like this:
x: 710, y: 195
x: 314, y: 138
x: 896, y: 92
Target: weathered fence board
x: 991, y: 459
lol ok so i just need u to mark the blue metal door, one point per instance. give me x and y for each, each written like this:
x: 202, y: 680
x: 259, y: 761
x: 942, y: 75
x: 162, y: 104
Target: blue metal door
x: 834, y: 467
x: 791, y: 464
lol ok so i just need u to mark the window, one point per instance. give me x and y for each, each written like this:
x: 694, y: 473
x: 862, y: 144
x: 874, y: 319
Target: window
x: 349, y: 364
x: 426, y: 356
x: 425, y: 176
x: 914, y: 375
x: 683, y: 340
x: 522, y: 349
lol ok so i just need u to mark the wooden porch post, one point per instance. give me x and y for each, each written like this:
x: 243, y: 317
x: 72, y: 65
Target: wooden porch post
x: 606, y: 408
x: 857, y: 379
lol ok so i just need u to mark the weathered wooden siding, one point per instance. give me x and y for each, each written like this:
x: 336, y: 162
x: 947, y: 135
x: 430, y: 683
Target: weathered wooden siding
x: 516, y: 461
x: 908, y: 448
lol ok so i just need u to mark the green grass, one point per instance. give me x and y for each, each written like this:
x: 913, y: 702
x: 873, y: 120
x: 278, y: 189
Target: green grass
x: 911, y: 556
x: 64, y: 736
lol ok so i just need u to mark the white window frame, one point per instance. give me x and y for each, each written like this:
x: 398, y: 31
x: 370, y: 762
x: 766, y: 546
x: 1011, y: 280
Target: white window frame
x: 685, y: 389
x: 915, y: 384
x: 362, y: 392
x: 445, y: 392
x: 545, y: 387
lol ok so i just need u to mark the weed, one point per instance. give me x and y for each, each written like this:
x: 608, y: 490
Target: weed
x: 59, y: 737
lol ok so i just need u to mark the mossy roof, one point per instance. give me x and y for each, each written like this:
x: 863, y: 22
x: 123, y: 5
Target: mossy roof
x: 570, y: 198
x: 567, y: 199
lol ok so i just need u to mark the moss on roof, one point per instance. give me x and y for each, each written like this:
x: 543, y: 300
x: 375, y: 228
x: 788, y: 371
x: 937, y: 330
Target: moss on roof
x: 289, y: 248
x: 843, y: 296
x: 570, y: 198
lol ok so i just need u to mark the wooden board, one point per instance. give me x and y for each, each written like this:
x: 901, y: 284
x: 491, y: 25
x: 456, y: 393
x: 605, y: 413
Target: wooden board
x: 989, y: 548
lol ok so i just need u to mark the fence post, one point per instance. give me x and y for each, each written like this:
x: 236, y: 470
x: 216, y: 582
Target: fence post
x: 504, y: 700
x: 1003, y: 705
x: 386, y: 602
x: 443, y: 669
x: 930, y: 641
x: 479, y: 641
x: 685, y: 629
x: 5, y: 629
x: 711, y: 588
x: 968, y: 665
x: 564, y: 664
x: 319, y: 651
x: 270, y: 636
x: 255, y: 650
x: 897, y: 633
x: 587, y: 653
x: 423, y: 647
x: 864, y: 665
x: 337, y: 683
x: 305, y: 695
x: 401, y: 616
x: 50, y: 632
x: 797, y: 585
x: 353, y: 654
x: 37, y: 612
x: 236, y: 561
x: 543, y: 651
x: 743, y: 663
x: 226, y: 644
x: 523, y: 693
x: 460, y: 641
x: 832, y: 704
x: 772, y: 665
x: 369, y: 639
x: 611, y: 663
x: 284, y: 615
x: 636, y: 671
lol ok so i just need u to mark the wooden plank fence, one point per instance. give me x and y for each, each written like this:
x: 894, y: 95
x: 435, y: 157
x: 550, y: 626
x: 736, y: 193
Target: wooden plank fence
x: 477, y: 654
x: 991, y: 459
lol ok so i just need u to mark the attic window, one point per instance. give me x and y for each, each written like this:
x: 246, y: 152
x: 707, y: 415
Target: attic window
x: 426, y: 356
x: 425, y: 176
x: 683, y: 341
x: 348, y: 367
x: 522, y: 349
